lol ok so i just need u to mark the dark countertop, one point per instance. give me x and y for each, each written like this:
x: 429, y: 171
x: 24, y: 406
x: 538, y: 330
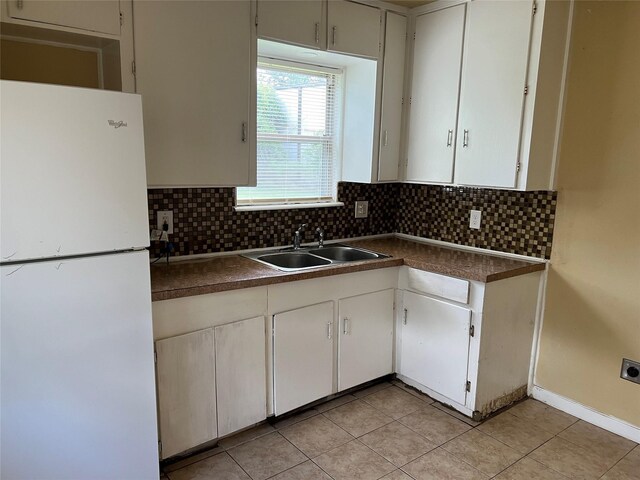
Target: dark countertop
x: 218, y: 274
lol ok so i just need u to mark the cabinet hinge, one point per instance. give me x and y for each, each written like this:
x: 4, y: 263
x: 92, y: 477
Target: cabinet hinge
x: 414, y: 35
x: 535, y: 7
x: 155, y: 357
x: 518, y: 167
x: 133, y: 68
x: 256, y: 20
x: 526, y: 89
x: 160, y: 448
x: 468, y: 386
x: 472, y: 330
x: 121, y: 19
x: 379, y: 46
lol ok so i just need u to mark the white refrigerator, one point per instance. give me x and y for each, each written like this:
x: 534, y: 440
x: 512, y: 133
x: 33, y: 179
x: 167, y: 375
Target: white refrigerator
x: 77, y: 385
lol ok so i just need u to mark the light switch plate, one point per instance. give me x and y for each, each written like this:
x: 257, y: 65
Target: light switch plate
x: 475, y: 219
x: 165, y: 215
x: 362, y: 209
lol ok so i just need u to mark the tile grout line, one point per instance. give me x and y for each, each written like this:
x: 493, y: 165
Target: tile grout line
x: 239, y: 466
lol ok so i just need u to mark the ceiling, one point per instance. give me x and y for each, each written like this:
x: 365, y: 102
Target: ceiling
x: 409, y: 3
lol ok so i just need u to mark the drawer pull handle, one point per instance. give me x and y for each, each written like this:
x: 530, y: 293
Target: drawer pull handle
x: 449, y: 138
x: 329, y: 330
x: 465, y: 138
x: 345, y: 326
x: 317, y: 33
x: 404, y: 320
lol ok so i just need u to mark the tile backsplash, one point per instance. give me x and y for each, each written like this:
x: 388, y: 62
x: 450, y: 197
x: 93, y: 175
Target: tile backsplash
x: 516, y: 222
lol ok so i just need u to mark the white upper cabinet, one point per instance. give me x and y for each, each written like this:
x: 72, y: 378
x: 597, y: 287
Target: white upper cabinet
x: 487, y: 113
x: 97, y: 16
x: 492, y: 93
x: 195, y: 65
x: 293, y: 21
x: 353, y: 28
x: 437, y: 56
x: 392, y: 97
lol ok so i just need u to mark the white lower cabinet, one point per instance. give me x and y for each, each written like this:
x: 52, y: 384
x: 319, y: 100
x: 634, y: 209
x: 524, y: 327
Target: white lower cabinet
x: 186, y: 377
x: 211, y: 383
x: 435, y: 344
x: 241, y: 382
x: 466, y: 343
x: 302, y: 355
x: 365, y: 340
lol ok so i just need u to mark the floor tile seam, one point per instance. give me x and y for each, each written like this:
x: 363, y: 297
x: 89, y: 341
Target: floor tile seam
x: 395, y: 467
x: 574, y: 443
x: 298, y: 421
x: 614, y: 465
x: 369, y: 394
x: 320, y: 466
x: 447, y: 411
x: 191, y: 462
x: 542, y: 428
x: 476, y: 468
x: 236, y: 462
x: 513, y: 448
x: 353, y: 437
x: 522, y: 455
x: 226, y: 449
x: 588, y: 451
x: 293, y: 445
x: 528, y: 455
x: 457, y: 458
x: 297, y: 465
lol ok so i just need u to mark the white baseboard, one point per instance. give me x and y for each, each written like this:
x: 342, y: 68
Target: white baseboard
x: 588, y: 414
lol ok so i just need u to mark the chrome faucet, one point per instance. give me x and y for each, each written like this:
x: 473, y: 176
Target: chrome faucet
x: 320, y: 235
x: 297, y: 236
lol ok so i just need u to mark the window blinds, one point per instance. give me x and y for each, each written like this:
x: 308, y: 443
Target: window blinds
x: 296, y: 136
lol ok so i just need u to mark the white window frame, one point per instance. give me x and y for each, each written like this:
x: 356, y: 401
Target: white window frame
x: 278, y: 204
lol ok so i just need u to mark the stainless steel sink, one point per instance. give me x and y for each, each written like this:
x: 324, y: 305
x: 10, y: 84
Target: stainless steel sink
x: 289, y: 260
x: 293, y: 260
x: 344, y: 253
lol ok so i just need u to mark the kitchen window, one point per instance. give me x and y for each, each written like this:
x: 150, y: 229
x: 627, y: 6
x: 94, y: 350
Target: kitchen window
x: 298, y: 113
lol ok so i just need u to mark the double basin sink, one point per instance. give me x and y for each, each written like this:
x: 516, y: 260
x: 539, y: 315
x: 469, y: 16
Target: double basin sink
x: 290, y: 260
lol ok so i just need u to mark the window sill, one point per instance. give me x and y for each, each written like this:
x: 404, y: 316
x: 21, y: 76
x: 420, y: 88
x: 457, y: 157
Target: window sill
x: 291, y: 206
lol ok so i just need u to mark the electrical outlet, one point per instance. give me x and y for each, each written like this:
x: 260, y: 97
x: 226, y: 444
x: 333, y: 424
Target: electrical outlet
x: 475, y: 218
x: 630, y: 370
x: 165, y: 216
x: 362, y: 209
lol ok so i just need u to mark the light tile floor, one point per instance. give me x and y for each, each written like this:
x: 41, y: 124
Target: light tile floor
x: 392, y: 432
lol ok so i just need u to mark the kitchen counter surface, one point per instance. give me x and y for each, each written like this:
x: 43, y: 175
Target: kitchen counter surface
x: 218, y: 274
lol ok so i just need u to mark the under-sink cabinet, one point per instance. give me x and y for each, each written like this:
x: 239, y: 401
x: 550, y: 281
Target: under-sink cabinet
x: 302, y: 356
x: 467, y: 344
x: 365, y: 338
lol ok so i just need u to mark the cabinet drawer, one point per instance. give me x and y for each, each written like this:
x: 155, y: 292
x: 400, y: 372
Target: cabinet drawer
x: 440, y: 285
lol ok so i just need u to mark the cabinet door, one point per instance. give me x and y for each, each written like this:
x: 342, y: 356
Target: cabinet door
x: 392, y: 94
x: 186, y: 391
x: 241, y: 380
x: 353, y: 28
x: 292, y: 21
x: 195, y: 86
x: 435, y: 84
x: 365, y: 339
x: 303, y: 356
x: 435, y: 345
x: 494, y: 76
x: 97, y: 16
